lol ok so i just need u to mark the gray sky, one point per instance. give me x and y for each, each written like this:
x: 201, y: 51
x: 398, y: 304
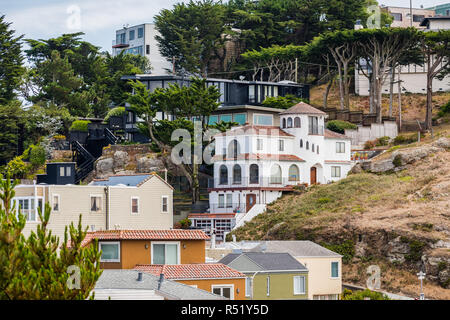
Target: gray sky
x: 98, y: 19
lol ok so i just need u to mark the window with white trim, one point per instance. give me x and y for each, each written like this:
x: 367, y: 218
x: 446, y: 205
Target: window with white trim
x: 340, y: 147
x: 221, y: 200
x: 335, y: 269
x: 281, y: 145
x: 135, y: 205
x: 164, y: 204
x: 335, y: 172
x: 96, y: 203
x: 229, y: 200
x: 110, y: 251
x: 62, y: 171
x: 28, y: 207
x: 165, y: 253
x: 224, y: 291
x: 299, y: 285
x: 55, y: 202
x: 248, y: 285
x: 259, y: 144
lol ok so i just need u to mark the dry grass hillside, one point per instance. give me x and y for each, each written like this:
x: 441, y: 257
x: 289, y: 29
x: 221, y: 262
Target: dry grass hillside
x: 413, y: 105
x: 398, y: 220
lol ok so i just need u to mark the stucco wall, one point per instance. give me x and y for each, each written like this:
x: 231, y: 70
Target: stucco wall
x: 207, y: 284
x: 281, y: 286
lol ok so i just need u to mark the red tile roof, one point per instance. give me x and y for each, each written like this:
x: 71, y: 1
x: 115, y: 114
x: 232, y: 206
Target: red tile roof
x: 260, y: 156
x: 191, y: 271
x: 334, y: 135
x: 303, y: 108
x: 175, y: 234
x: 256, y: 130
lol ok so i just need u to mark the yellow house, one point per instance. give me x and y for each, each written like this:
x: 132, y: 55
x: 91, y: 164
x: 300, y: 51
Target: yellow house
x: 142, y: 201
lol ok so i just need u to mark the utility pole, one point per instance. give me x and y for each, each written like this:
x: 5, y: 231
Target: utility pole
x: 421, y: 275
x: 296, y: 70
x: 410, y: 12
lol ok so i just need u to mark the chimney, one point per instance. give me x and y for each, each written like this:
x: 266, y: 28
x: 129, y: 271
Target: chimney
x: 139, y: 276
x: 161, y: 278
x: 213, y: 241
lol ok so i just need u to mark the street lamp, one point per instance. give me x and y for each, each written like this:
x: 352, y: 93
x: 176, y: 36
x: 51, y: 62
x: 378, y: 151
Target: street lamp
x: 421, y: 275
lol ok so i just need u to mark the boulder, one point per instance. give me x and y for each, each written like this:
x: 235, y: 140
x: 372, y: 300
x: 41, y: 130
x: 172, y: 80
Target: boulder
x: 442, y: 143
x: 104, y: 167
x: 146, y: 164
x: 120, y: 159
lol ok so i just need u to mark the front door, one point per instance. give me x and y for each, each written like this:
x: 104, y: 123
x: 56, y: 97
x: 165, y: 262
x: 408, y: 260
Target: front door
x: 251, y: 200
x: 313, y: 175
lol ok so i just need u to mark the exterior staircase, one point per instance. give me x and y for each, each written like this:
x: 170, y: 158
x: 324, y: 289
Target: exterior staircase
x: 242, y: 218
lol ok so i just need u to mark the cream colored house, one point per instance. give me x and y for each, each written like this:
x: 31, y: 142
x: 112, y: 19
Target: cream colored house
x: 141, y: 201
x: 324, y: 266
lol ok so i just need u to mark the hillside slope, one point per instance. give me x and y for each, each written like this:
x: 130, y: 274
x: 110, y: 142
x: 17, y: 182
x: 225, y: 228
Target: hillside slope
x: 397, y: 220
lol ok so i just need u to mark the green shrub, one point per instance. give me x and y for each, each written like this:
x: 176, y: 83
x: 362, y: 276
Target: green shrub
x: 115, y: 112
x: 37, y: 156
x: 360, y: 295
x: 185, y: 223
x: 397, y: 162
x: 444, y: 110
x: 346, y: 249
x: 370, y: 144
x: 382, y: 141
x: 17, y: 168
x: 339, y: 126
x: 282, y: 102
x: 402, y: 139
x: 79, y: 125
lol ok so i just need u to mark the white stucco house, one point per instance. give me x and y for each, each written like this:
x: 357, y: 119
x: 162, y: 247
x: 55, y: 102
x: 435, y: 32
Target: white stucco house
x: 254, y: 164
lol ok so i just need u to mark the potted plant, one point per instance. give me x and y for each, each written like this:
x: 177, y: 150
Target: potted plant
x: 79, y: 131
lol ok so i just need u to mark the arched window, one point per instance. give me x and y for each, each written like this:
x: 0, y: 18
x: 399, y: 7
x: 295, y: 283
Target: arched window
x: 301, y: 143
x: 233, y: 149
x: 254, y: 173
x: 297, y: 123
x: 307, y: 145
x: 294, y: 173
x: 289, y: 123
x: 317, y: 149
x: 275, y: 174
x: 284, y: 122
x: 237, y: 177
x: 223, y: 174
x: 312, y: 147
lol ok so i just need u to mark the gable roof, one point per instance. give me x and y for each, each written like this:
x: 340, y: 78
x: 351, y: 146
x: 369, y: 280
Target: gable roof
x: 334, y: 135
x: 131, y: 180
x: 174, y: 234
x: 268, y: 261
x: 191, y: 271
x: 297, y: 248
x: 127, y: 279
x: 303, y: 108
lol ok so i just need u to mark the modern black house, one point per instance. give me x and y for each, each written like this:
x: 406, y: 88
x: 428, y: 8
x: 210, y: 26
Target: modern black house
x: 237, y: 97
x: 59, y: 173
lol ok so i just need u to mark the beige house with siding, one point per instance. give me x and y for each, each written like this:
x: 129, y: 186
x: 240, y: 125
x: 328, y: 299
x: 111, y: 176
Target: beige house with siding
x: 129, y: 202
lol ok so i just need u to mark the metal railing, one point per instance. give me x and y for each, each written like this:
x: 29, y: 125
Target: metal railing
x: 316, y: 130
x: 252, y: 182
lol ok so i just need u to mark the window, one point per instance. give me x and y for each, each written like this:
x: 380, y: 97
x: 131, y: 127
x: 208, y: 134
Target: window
x: 418, y: 17
x: 165, y: 253
x: 268, y: 286
x: 226, y: 118
x: 259, y: 144
x: 233, y: 149
x: 396, y: 16
x: 262, y: 119
x: 281, y: 145
x: 140, y: 32
x: 147, y: 49
x: 213, y: 120
x: 335, y: 172
x: 223, y: 174
x: 335, y: 269
x: 301, y: 143
x: 130, y: 117
x: 110, y: 251
x: 229, y: 200
x: 284, y: 123
x: 299, y: 285
x: 132, y: 33
x: 61, y: 171
x: 340, y: 147
x: 275, y: 174
x: 28, y: 208
x: 96, y: 203
x: 254, y: 173
x: 55, y: 204
x: 307, y: 145
x: 294, y: 174
x: 297, y: 123
x: 164, y: 204
x: 289, y: 122
x: 68, y: 171
x: 248, y: 285
x: 317, y: 149
x: 221, y: 201
x: 237, y: 176
x: 313, y: 125
x: 312, y: 147
x: 240, y: 118
x: 224, y: 291
x: 134, y: 205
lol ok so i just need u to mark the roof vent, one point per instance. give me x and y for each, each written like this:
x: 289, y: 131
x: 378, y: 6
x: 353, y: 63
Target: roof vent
x: 139, y: 276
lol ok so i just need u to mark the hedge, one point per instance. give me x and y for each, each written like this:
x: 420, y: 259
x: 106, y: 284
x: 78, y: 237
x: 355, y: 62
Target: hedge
x: 79, y: 125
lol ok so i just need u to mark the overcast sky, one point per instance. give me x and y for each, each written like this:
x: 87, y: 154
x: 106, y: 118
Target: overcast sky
x: 98, y: 19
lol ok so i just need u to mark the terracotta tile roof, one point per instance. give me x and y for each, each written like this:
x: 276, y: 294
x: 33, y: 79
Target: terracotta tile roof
x: 175, y: 234
x: 303, y: 108
x: 260, y: 156
x: 334, y: 135
x: 191, y: 271
x: 256, y: 130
